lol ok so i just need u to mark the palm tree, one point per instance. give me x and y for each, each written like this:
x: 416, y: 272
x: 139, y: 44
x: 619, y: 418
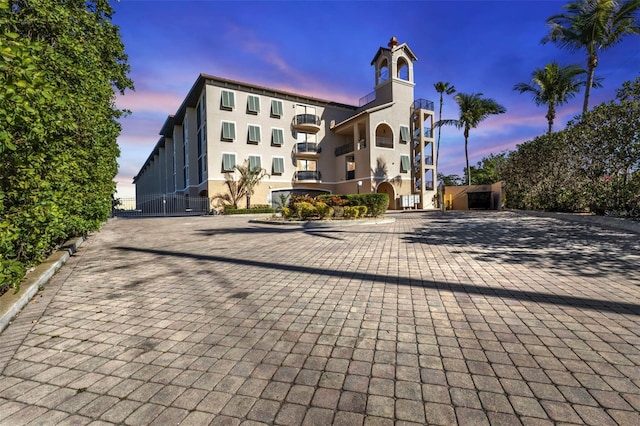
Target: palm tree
x: 442, y: 88
x: 553, y: 86
x: 250, y: 177
x: 473, y: 109
x: 593, y: 25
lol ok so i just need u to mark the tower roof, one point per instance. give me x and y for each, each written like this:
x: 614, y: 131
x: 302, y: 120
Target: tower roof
x: 393, y: 46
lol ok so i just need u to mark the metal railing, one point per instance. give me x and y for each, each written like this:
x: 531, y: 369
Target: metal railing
x: 307, y: 175
x: 161, y: 205
x: 384, y: 142
x: 301, y: 119
x: 311, y: 147
x: 344, y: 149
x: 422, y: 104
x: 370, y: 97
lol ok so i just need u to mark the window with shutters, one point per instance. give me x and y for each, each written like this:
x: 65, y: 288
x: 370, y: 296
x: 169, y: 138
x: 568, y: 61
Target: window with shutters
x: 255, y: 162
x: 228, y: 162
x: 254, y: 134
x: 276, y: 108
x: 277, y: 165
x: 405, y: 136
x: 228, y: 100
x: 277, y: 137
x: 228, y: 131
x: 253, y: 104
x: 405, y: 165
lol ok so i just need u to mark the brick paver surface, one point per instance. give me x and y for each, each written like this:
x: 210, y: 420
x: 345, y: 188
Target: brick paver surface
x: 467, y: 318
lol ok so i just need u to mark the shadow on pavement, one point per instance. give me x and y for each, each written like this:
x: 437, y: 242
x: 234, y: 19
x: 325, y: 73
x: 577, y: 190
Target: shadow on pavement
x: 506, y: 293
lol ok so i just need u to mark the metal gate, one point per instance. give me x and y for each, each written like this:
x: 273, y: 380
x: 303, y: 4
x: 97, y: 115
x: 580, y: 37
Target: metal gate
x: 161, y: 205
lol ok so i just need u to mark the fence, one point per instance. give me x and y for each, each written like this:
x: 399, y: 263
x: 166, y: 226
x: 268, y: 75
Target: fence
x: 161, y: 205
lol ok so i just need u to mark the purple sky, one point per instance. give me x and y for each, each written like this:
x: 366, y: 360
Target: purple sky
x: 324, y: 49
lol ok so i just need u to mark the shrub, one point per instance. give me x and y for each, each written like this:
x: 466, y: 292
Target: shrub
x: 324, y: 211
x: 305, y: 210
x: 287, y: 213
x: 362, y: 211
x: 229, y: 210
x: 351, y: 212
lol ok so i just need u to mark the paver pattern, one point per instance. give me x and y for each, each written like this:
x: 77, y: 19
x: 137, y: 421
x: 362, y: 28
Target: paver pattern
x: 465, y: 318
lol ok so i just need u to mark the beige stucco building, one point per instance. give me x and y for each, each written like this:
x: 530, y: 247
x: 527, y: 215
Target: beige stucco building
x: 307, y: 145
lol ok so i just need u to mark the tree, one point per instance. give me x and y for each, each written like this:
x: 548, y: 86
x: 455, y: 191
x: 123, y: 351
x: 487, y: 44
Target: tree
x: 450, y: 180
x: 488, y: 170
x: 593, y: 25
x: 250, y: 177
x: 553, y: 86
x: 442, y: 88
x: 473, y: 110
x: 235, y: 191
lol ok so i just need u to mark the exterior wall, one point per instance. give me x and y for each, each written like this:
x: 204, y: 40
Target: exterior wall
x: 456, y: 197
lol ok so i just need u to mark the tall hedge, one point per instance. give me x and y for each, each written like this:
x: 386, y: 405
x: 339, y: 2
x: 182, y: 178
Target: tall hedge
x: 61, y: 63
x: 593, y: 165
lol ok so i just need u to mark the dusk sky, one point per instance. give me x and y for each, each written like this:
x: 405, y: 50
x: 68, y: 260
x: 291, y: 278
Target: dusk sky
x: 324, y: 49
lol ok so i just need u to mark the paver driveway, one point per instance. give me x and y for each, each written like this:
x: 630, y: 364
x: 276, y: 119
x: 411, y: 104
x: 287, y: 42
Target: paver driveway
x: 466, y: 318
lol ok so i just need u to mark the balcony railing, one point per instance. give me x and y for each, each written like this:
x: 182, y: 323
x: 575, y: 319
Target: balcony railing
x: 307, y: 122
x: 428, y: 160
x: 307, y: 175
x: 384, y: 142
x: 427, y: 132
x: 344, y: 149
x: 422, y: 104
x: 307, y: 148
x: 367, y: 98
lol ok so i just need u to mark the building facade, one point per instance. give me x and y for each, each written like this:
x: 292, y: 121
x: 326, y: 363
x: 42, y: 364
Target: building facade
x: 307, y: 145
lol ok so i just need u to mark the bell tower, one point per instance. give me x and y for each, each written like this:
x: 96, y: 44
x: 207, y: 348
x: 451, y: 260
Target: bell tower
x: 394, y: 73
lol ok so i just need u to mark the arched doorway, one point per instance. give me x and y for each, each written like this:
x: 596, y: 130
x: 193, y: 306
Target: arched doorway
x: 387, y: 188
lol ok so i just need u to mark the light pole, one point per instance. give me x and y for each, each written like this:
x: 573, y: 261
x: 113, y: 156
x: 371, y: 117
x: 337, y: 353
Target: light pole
x: 359, y: 185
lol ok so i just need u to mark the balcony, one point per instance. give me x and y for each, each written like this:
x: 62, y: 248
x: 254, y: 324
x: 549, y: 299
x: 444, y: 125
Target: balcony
x: 307, y: 175
x: 422, y: 104
x: 309, y: 123
x: 309, y: 148
x: 427, y: 132
x: 344, y: 149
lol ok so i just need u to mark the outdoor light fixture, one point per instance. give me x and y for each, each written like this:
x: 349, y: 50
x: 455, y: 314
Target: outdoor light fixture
x: 359, y: 185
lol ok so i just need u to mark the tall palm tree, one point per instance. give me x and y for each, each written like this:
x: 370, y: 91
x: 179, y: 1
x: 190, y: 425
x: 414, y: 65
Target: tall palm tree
x: 473, y: 109
x: 442, y: 88
x: 593, y: 25
x: 553, y: 86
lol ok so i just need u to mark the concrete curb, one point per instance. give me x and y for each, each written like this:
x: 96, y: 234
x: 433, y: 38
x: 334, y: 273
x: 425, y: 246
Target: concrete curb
x: 12, y: 303
x: 589, y: 219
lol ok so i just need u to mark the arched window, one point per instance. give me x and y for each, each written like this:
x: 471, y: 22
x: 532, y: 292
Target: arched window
x: 383, y: 71
x: 403, y: 69
x: 384, y: 136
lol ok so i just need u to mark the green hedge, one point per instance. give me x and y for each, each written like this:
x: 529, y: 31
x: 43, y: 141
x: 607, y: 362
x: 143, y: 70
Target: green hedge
x: 61, y: 65
x: 231, y: 210
x: 375, y: 203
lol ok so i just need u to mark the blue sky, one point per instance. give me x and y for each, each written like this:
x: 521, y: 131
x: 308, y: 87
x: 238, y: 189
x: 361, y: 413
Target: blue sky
x: 324, y: 49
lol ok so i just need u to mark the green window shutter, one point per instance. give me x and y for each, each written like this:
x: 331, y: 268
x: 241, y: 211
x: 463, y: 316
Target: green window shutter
x: 228, y: 162
x: 254, y: 162
x: 254, y: 134
x: 253, y: 103
x: 228, y: 99
x: 404, y: 164
x: 277, y: 137
x: 277, y: 165
x: 276, y: 108
x: 404, y: 134
x: 228, y: 130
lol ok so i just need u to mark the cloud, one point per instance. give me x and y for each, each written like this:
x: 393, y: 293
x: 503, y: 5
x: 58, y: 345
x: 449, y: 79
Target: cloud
x: 161, y: 103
